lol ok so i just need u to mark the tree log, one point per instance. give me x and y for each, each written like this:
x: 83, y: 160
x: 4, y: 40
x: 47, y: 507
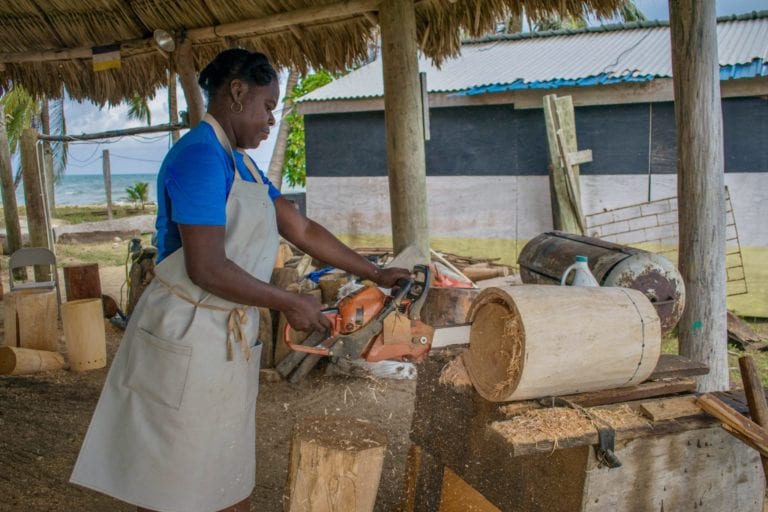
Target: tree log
x: 21, y: 361
x: 82, y: 281
x: 84, y: 334
x: 31, y: 319
x: 335, y: 465
x: 445, y: 307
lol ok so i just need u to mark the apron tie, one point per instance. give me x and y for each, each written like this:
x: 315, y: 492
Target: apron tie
x: 236, y: 320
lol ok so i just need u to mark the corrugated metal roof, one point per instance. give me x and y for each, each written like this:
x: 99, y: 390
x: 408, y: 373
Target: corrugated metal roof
x: 597, y: 55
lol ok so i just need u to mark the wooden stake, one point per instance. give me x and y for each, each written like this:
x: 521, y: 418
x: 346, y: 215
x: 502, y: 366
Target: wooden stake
x: 700, y: 187
x: 21, y: 361
x: 335, y: 465
x: 741, y: 427
x: 107, y: 181
x: 753, y: 390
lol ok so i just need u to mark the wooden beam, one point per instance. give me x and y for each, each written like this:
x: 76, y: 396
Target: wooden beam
x: 406, y: 164
x: 700, y: 187
x: 113, y: 133
x: 741, y: 427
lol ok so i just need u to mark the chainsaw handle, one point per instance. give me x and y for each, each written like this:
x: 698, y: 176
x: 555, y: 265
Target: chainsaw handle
x: 319, y: 348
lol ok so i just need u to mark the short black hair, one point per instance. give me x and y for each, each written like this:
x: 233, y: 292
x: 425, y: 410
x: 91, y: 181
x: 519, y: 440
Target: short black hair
x: 251, y: 67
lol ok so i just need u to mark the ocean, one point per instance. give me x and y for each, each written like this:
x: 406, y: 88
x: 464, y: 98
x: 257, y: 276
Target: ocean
x: 84, y: 189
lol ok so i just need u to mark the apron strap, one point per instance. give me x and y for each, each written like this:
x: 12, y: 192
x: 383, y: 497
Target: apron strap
x: 224, y: 141
x: 236, y: 320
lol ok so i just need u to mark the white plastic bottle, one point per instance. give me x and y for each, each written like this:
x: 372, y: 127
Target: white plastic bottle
x: 582, y: 276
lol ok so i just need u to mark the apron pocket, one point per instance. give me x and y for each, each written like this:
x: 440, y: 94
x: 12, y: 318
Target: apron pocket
x: 157, y: 369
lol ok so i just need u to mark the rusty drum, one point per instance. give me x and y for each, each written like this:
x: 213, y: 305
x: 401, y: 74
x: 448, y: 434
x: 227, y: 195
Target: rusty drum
x: 544, y: 259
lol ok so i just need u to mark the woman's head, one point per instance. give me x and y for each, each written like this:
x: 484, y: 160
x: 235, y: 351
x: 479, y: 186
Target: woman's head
x: 242, y: 86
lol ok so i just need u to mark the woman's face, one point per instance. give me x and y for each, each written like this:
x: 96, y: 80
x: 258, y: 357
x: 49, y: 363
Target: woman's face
x: 252, y: 125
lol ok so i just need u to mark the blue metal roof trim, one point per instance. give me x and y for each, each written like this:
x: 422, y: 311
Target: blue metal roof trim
x: 756, y: 68
x: 589, y: 81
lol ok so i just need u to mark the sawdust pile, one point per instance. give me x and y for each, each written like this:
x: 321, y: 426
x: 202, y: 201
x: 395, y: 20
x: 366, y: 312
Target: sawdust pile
x: 545, y: 428
x: 455, y: 374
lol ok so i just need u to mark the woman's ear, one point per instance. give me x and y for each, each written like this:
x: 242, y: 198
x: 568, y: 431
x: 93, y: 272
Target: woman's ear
x: 238, y: 90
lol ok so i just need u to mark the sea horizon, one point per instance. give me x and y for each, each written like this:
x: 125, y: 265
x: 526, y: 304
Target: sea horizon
x: 83, y: 189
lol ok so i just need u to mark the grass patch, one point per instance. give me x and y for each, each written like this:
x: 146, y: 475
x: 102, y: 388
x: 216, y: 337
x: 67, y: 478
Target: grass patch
x: 104, y: 253
x: 92, y: 213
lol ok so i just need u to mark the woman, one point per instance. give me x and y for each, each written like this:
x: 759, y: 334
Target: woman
x: 174, y: 429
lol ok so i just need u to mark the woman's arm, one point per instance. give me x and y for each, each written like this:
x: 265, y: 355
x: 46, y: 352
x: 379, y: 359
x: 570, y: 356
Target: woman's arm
x: 210, y: 269
x: 315, y: 240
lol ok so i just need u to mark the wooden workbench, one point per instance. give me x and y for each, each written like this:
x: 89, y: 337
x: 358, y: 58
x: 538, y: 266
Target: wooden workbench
x: 466, y: 455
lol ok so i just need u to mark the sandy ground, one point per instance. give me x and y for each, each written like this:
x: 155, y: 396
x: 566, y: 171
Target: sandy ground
x: 43, y: 419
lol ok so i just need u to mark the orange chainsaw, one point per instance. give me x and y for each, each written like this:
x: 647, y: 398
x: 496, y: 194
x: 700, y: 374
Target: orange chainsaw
x: 368, y: 324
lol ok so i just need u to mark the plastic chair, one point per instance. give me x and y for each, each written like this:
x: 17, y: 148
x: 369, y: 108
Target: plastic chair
x: 34, y: 256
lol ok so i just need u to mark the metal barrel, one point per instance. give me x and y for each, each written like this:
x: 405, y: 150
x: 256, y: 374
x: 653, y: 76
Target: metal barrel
x: 544, y: 259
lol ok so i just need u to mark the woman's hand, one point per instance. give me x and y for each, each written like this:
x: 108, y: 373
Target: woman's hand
x: 389, y: 277
x: 304, y: 313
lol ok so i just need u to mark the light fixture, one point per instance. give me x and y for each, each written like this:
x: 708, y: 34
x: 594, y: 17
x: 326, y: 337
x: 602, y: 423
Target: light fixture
x: 164, y: 40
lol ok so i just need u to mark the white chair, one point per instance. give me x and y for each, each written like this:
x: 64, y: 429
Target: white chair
x: 31, y: 257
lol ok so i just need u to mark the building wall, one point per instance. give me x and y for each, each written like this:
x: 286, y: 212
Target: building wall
x: 487, y: 178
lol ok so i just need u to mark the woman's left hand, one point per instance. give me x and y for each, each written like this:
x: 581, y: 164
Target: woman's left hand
x: 389, y: 277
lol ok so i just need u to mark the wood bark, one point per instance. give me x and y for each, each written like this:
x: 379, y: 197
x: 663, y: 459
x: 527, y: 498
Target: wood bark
x: 30, y: 319
x: 446, y: 307
x: 275, y: 172
x: 22, y: 361
x: 335, y: 465
x: 84, y: 334
x: 34, y: 199
x: 107, y: 172
x: 82, y: 281
x: 50, y: 175
x: 10, y: 209
x: 185, y: 66
x: 406, y: 165
x: 700, y: 187
x: 112, y: 133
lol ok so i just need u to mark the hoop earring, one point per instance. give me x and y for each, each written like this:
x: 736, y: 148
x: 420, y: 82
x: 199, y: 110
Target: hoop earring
x: 236, y: 107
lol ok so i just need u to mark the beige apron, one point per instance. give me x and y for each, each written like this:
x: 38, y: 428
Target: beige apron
x: 175, y: 426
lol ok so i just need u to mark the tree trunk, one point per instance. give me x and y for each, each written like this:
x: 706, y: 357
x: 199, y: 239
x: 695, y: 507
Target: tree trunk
x: 37, y: 218
x: 10, y: 209
x: 173, y: 105
x: 406, y: 165
x: 185, y: 66
x: 275, y: 173
x: 700, y: 188
x: 50, y: 175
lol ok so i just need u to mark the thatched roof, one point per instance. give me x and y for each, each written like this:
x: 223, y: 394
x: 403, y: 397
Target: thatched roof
x: 47, y: 43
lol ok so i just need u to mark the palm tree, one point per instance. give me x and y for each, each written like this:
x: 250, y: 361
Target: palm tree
x: 138, y: 108
x: 275, y: 172
x: 628, y: 12
x: 138, y: 193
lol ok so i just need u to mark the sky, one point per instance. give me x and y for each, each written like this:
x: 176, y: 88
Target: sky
x: 144, y: 154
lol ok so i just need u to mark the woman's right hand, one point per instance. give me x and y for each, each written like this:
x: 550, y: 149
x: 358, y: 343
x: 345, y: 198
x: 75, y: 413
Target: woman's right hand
x: 304, y: 313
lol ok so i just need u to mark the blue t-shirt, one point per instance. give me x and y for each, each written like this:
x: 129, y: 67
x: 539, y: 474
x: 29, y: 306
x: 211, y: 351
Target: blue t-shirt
x: 193, y: 185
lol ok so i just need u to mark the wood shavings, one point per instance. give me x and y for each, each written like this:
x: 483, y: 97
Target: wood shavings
x: 455, y: 374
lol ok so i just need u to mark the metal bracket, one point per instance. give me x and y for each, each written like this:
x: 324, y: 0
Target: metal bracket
x: 606, y: 457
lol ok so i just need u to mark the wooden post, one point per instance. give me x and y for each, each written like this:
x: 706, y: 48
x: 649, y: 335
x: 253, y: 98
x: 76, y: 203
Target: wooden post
x: 700, y: 187
x: 45, y: 118
x: 82, y: 281
x: 185, y: 66
x: 173, y: 106
x: 34, y: 199
x: 335, y: 465
x: 406, y: 165
x: 107, y: 181
x: 10, y: 209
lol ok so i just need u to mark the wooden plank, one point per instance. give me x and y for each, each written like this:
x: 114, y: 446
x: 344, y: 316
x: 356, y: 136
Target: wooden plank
x: 645, y: 390
x: 753, y: 389
x: 670, y: 408
x: 743, y: 428
x: 579, y: 157
x: 458, y: 496
x: 672, y: 365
